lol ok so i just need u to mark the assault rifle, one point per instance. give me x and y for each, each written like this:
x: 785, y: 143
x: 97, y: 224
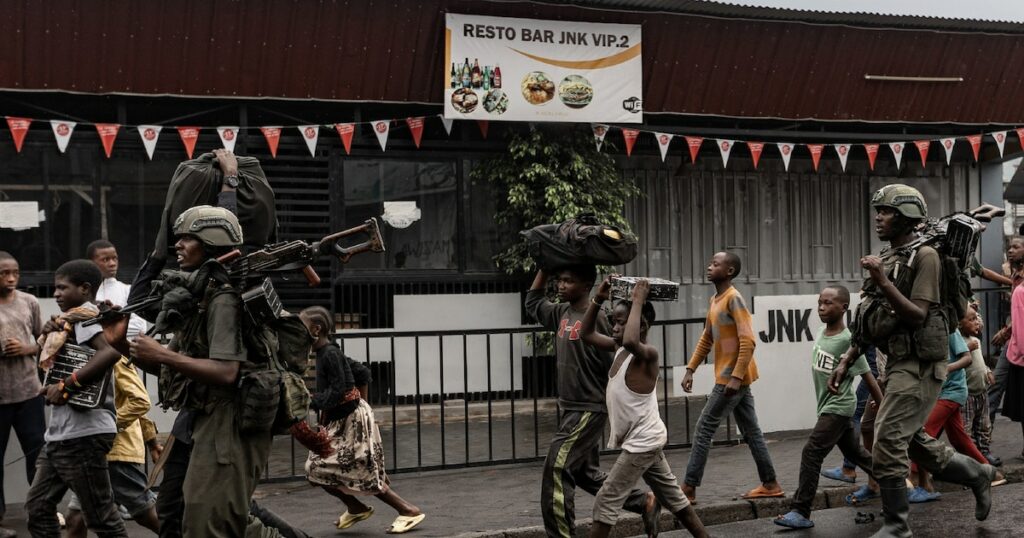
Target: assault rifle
x: 956, y: 235
x: 274, y: 258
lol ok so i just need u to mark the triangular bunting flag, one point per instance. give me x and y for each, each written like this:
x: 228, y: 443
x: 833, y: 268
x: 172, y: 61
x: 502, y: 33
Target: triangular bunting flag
x: 62, y: 131
x: 816, y: 150
x: 725, y: 146
x: 897, y: 152
x: 1020, y: 136
x: 149, y: 135
x: 664, y: 139
x: 189, y: 135
x: 755, y: 151
x: 19, y: 128
x: 947, y: 144
x: 600, y: 130
x: 416, y: 128
x: 694, y: 142
x: 786, y: 149
x: 872, y: 150
x: 310, y: 133
x: 1000, y: 137
x: 630, y: 135
x: 345, y: 131
x: 381, y: 129
x: 484, y: 124
x: 843, y: 150
x: 922, y: 148
x: 447, y: 125
x: 975, y: 141
x: 228, y: 136
x: 107, y: 132
x: 273, y: 137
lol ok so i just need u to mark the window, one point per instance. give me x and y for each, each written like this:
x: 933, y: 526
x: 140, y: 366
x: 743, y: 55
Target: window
x: 429, y: 243
x: 485, y: 237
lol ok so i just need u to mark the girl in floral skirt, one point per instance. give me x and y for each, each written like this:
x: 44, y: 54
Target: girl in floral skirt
x: 356, y: 467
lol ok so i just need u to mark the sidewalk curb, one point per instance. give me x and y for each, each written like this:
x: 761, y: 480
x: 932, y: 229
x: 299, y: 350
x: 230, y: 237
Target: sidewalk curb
x: 726, y: 512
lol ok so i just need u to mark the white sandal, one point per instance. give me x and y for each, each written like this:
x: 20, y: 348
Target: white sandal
x: 404, y: 524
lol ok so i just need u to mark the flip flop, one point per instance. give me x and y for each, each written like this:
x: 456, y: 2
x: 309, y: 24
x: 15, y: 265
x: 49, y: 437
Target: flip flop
x: 837, y: 474
x: 863, y: 517
x: 861, y: 496
x: 793, y: 520
x: 404, y: 524
x: 920, y: 495
x: 761, y: 492
x: 347, y: 520
x: 999, y: 482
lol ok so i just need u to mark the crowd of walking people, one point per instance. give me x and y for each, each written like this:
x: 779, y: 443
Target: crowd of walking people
x: 922, y: 373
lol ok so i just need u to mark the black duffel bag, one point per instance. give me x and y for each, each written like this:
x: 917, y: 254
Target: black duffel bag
x: 583, y: 240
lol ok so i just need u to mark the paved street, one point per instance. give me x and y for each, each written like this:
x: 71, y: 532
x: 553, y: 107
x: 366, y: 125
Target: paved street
x: 951, y: 516
x: 483, y: 501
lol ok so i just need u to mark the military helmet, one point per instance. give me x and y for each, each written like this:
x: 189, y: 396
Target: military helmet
x: 903, y: 198
x: 214, y: 226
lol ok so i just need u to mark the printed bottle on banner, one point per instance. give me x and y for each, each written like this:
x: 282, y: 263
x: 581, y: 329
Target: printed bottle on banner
x: 465, y: 74
x: 496, y: 75
x: 487, y: 77
x: 476, y: 75
x: 454, y: 77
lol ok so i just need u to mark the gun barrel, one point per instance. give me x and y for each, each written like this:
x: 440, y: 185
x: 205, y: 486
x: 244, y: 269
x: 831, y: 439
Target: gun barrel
x: 126, y: 311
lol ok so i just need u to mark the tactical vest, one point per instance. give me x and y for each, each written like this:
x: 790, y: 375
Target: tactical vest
x: 877, y: 323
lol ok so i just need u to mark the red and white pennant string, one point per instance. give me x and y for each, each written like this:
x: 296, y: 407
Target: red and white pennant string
x: 189, y: 135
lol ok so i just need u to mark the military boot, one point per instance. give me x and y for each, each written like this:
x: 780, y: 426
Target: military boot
x: 977, y: 476
x: 895, y: 509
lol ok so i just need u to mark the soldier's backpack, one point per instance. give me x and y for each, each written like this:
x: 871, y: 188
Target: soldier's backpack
x: 274, y: 395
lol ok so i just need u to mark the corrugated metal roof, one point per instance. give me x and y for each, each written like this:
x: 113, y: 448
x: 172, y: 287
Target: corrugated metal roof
x: 391, y: 51
x: 967, y: 17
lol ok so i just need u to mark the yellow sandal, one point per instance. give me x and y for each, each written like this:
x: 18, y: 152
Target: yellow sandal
x: 347, y: 520
x: 404, y: 524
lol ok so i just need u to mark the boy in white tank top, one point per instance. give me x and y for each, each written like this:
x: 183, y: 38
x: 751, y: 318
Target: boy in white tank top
x: 636, y: 425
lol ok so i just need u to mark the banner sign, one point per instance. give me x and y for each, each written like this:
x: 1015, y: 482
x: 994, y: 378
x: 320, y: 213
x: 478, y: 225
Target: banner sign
x: 508, y: 69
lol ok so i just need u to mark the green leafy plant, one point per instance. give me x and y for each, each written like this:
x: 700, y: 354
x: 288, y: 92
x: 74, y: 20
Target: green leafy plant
x: 552, y: 174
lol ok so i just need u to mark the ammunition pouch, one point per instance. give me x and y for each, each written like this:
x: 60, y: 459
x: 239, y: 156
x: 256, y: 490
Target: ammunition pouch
x: 932, y: 339
x: 294, y: 402
x: 260, y: 398
x: 875, y: 322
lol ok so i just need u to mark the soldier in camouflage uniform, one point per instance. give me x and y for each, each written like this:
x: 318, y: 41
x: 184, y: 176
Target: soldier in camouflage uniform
x: 213, y: 468
x: 902, y: 314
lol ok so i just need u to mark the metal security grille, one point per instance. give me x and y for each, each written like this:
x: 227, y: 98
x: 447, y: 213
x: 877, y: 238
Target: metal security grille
x: 302, y: 189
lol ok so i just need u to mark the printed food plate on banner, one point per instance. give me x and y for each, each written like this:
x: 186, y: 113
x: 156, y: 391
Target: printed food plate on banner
x: 565, y: 71
x: 537, y: 88
x: 575, y: 91
x: 496, y: 102
x: 465, y: 100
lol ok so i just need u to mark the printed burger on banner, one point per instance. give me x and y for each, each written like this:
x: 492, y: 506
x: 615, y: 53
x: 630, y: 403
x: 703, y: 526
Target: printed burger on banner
x: 534, y: 70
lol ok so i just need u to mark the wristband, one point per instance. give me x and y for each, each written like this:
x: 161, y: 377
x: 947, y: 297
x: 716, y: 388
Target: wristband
x: 74, y: 380
x: 596, y: 302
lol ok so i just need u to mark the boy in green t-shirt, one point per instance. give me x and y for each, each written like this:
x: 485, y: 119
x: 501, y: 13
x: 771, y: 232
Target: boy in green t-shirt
x: 835, y: 407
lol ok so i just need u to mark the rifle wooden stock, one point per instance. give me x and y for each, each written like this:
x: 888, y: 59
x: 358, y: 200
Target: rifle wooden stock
x: 230, y: 257
x: 311, y: 276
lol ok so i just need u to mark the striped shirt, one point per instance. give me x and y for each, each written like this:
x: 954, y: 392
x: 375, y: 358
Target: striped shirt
x: 729, y: 331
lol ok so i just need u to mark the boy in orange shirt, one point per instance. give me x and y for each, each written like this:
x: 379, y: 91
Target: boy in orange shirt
x: 729, y: 331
